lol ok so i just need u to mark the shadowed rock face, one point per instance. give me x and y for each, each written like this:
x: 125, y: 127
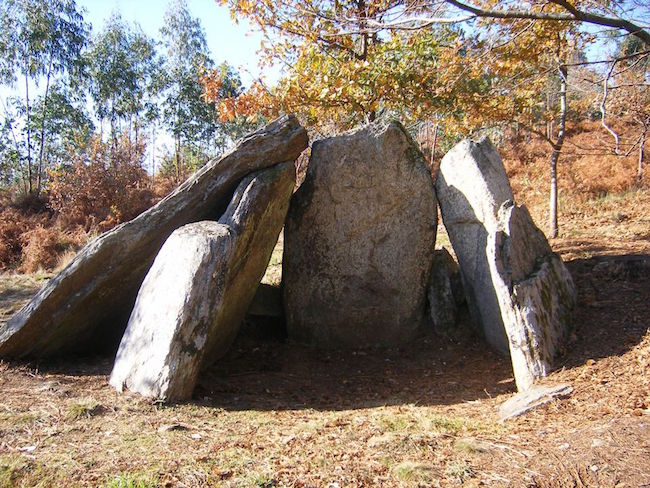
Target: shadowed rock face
x: 87, y: 305
x: 359, y: 240
x: 445, y: 292
x: 471, y: 186
x: 195, y: 296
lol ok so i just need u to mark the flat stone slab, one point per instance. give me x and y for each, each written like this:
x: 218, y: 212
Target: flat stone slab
x: 86, y: 307
x: 195, y: 296
x: 359, y: 240
x: 525, y: 401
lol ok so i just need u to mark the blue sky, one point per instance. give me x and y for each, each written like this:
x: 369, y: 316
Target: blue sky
x: 234, y: 43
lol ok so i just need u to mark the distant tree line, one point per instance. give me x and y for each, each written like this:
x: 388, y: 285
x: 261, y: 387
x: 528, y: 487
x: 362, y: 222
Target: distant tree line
x: 88, y: 103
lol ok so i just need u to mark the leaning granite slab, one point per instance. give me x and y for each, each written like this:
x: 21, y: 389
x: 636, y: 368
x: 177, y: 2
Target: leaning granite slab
x: 87, y: 305
x: 359, y: 240
x: 525, y: 401
x: 518, y: 290
x: 471, y: 186
x: 195, y: 296
x: 535, y: 291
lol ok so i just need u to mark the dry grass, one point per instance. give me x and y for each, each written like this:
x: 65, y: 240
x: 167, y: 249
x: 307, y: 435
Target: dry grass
x: 16, y: 290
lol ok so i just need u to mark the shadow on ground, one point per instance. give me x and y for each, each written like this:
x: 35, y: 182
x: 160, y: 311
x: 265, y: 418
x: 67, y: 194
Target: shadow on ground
x: 613, y: 312
x: 264, y: 372
x: 432, y: 370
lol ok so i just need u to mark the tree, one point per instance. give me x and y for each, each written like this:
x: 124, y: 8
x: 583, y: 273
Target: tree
x: 627, y: 96
x: 530, y: 75
x: 603, y: 13
x: 354, y: 57
x: 188, y: 117
x: 340, y: 71
x: 40, y: 40
x: 9, y: 151
x: 61, y: 117
x: 223, y: 87
x: 67, y: 124
x: 124, y: 71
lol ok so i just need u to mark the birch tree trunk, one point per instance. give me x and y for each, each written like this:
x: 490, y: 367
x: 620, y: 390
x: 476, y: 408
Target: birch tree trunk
x: 555, y: 155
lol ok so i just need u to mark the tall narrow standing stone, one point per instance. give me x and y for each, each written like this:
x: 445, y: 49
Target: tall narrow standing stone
x: 195, y: 296
x: 535, y: 292
x: 519, y: 291
x: 471, y: 186
x: 359, y: 240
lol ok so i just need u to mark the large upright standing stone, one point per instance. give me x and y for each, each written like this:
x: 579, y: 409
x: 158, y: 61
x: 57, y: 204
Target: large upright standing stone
x: 471, y: 186
x: 87, y: 305
x: 359, y: 240
x: 195, y: 296
x: 535, y: 291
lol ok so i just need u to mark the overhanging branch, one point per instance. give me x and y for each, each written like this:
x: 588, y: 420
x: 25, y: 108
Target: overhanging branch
x: 572, y: 15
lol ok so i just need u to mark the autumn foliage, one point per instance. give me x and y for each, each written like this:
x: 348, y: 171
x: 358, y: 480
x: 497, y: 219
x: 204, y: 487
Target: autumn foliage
x: 102, y: 187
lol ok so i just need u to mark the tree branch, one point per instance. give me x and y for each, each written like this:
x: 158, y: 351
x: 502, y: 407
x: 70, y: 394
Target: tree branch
x: 572, y: 15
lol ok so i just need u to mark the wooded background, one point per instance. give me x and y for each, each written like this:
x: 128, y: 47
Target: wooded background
x: 530, y: 74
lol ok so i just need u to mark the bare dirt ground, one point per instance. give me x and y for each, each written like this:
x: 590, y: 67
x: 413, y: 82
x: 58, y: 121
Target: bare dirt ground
x: 278, y: 414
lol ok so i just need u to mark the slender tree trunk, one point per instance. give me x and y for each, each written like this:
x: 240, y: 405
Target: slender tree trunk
x: 549, y: 127
x: 433, y: 146
x: 555, y: 155
x: 135, y: 130
x: 639, y: 169
x: 29, y: 135
x: 131, y: 132
x: 42, y: 148
x: 178, y: 140
x: 178, y: 159
x: 112, y: 120
x: 361, y: 6
x: 552, y: 229
x: 17, y: 149
x: 153, y: 156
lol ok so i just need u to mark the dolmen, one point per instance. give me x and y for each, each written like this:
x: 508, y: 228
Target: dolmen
x: 197, y: 292
x: 87, y: 306
x: 169, y: 290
